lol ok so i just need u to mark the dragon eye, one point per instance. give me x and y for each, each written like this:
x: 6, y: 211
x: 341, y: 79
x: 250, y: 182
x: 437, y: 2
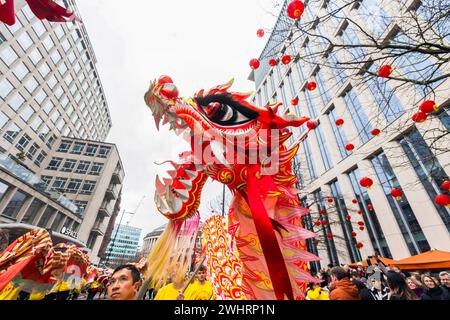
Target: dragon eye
x: 224, y: 111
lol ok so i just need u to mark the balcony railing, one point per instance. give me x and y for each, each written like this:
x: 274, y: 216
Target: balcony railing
x: 112, y: 192
x: 117, y: 176
x: 25, y: 175
x: 106, y: 208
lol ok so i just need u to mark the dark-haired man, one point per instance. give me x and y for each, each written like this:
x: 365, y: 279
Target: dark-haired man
x: 344, y: 289
x: 124, y: 283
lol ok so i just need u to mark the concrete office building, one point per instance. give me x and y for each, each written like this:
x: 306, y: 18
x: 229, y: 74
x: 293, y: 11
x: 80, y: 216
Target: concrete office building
x: 401, y: 157
x: 54, y: 118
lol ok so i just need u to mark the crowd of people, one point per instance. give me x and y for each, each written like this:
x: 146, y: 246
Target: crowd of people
x: 378, y: 282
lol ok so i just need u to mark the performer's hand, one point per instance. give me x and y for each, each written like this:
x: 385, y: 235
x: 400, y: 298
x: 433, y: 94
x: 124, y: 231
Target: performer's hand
x: 180, y: 296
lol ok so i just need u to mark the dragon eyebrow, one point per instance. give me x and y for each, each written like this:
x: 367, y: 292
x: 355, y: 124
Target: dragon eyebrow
x: 225, y: 98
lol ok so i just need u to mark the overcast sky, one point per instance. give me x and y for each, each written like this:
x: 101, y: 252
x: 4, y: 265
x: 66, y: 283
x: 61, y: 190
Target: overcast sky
x: 199, y: 43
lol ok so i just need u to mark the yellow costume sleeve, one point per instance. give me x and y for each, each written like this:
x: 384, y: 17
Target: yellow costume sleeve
x: 9, y: 293
x: 167, y: 292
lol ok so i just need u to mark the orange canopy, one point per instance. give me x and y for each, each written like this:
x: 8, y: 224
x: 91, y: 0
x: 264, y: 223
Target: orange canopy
x: 386, y: 261
x: 433, y: 259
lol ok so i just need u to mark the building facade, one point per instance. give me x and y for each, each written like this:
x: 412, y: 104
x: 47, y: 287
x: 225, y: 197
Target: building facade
x: 123, y: 246
x: 54, y: 119
x: 150, y: 240
x: 403, y: 156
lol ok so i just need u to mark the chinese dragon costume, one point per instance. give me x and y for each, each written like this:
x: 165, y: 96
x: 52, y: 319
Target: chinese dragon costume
x: 225, y: 132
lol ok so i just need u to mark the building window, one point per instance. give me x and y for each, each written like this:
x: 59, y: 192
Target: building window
x: 14, y: 205
x: 43, y: 133
x: 55, y: 56
x: 91, y: 150
x: 83, y: 167
x: 81, y: 207
x: 40, y: 158
x: 64, y: 146
x: 26, y: 113
x: 409, y: 226
x: 35, y: 56
x: 48, y: 43
x: 59, y: 183
x: 78, y: 148
x: 23, y: 142
x: 88, y: 187
x: 73, y: 186
x: 32, y: 211
x: 91, y: 241
x: 39, y: 28
x: 3, y: 120
x: 16, y: 102
x: 48, y: 106
x: 51, y: 141
x: 358, y: 115
x: 325, y: 229
x: 68, y: 166
x: 12, y: 132
x: 339, y: 133
x: 44, y: 69
x: 346, y: 225
x: 46, y: 217
x: 103, y: 152
x: 32, y: 151
x: 54, y: 163
x: 428, y: 169
x: 324, y: 90
x: 58, y: 219
x: 96, y: 168
x: 8, y: 56
x: 5, y: 88
x: 376, y: 234
x: 31, y: 84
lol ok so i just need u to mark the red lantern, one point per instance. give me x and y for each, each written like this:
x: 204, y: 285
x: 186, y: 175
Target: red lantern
x: 349, y: 147
x: 324, y: 222
x: 295, y: 101
x: 317, y: 223
x: 396, y: 193
x: 385, y: 71
x: 339, y: 122
x: 330, y: 200
x: 354, y: 201
x: 446, y: 185
x: 361, y: 223
x: 366, y: 182
x: 428, y: 106
x: 312, y: 124
x: 442, y: 200
x: 361, y: 228
x: 273, y: 62
x: 254, y: 64
x: 286, y: 59
x: 329, y: 235
x: 311, y: 86
x: 370, y: 207
x: 360, y: 212
x: 359, y: 245
x: 260, y: 33
x: 376, y: 132
x: 348, y: 217
x: 295, y: 9
x: 419, y: 117
x: 353, y: 234
x: 322, y: 212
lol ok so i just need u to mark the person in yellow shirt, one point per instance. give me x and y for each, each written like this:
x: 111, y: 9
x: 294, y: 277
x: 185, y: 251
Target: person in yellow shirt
x: 171, y: 291
x: 315, y: 292
x: 200, y: 289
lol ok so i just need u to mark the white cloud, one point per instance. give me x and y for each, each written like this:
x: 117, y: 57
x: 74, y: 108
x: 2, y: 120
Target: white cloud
x: 198, y: 43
